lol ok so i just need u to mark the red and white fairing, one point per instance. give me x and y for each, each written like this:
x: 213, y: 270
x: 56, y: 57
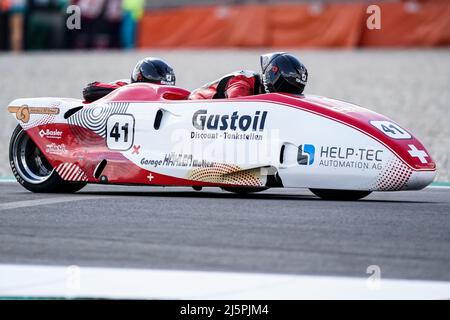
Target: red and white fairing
x: 151, y: 135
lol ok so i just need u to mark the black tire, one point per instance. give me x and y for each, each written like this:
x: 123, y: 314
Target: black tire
x: 340, y: 195
x: 31, y: 168
x: 244, y: 190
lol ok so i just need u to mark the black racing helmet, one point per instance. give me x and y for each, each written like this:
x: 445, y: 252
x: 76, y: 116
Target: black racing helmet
x: 282, y: 72
x: 153, y: 70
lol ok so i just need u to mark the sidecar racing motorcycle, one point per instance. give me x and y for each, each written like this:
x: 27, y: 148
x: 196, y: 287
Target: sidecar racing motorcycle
x: 144, y: 134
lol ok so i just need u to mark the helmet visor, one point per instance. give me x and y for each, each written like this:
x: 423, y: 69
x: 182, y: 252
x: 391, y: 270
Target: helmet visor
x: 281, y: 85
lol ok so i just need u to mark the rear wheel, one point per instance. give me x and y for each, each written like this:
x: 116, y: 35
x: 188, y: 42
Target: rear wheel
x: 342, y: 195
x: 244, y: 190
x: 31, y: 168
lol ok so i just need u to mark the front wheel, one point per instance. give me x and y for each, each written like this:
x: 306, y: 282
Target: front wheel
x: 342, y: 195
x: 32, y: 170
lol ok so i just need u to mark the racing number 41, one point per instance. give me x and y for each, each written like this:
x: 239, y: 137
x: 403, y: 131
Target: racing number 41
x: 120, y: 132
x: 390, y: 129
x: 116, y: 134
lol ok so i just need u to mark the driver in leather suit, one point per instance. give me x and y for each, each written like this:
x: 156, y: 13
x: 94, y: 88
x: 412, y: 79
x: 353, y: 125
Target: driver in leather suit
x: 151, y: 70
x: 281, y: 72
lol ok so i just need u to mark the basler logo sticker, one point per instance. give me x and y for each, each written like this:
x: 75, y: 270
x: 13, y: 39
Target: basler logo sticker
x: 23, y: 112
x: 51, y: 134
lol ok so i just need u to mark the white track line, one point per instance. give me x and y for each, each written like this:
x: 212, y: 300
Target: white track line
x: 41, y: 202
x: 49, y: 281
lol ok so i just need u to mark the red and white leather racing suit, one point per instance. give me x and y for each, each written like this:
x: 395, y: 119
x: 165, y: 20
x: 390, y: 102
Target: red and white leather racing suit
x: 233, y: 85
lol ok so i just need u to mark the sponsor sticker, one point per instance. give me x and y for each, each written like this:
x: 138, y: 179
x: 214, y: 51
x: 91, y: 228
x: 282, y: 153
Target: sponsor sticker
x: 306, y: 154
x: 58, y: 149
x: 177, y: 160
x: 51, y: 134
x: 348, y: 157
x: 234, y: 126
x: 340, y: 157
x: 23, y: 112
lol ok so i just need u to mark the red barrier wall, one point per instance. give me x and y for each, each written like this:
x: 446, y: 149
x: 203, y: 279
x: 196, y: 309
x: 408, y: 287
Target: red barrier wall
x: 313, y: 26
x: 205, y: 27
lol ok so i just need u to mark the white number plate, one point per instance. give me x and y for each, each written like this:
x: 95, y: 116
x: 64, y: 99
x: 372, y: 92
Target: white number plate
x: 120, y: 132
x: 391, y: 129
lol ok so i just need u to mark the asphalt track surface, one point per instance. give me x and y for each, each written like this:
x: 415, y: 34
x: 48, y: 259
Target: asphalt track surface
x: 290, y: 231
